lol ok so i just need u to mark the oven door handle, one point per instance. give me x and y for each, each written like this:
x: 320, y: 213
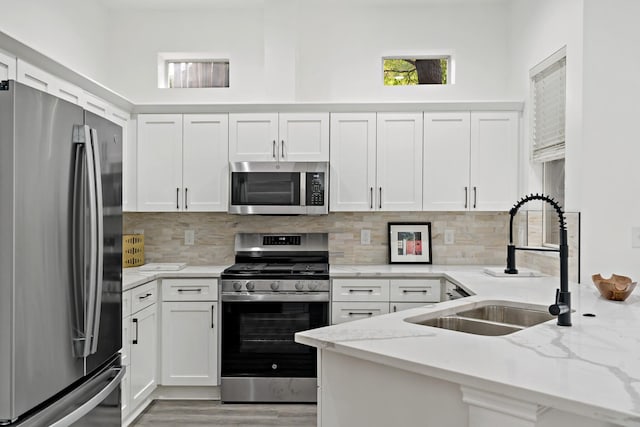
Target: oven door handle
x: 275, y: 297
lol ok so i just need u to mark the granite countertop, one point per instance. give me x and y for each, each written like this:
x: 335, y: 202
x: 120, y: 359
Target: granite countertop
x: 591, y: 368
x: 132, y: 277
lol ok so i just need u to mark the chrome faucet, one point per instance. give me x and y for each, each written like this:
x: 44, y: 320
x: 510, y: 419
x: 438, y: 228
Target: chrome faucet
x: 562, y: 305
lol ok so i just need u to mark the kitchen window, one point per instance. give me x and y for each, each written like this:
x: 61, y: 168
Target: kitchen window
x: 548, y: 111
x: 409, y: 71
x: 190, y: 70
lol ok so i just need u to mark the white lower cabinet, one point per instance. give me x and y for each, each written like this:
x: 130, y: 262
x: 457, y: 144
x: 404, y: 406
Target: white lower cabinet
x: 347, y: 311
x: 354, y: 299
x: 189, y: 332
x: 143, y: 354
x: 189, y: 344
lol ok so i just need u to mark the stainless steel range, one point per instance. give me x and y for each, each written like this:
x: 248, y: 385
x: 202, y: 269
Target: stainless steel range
x: 278, y: 286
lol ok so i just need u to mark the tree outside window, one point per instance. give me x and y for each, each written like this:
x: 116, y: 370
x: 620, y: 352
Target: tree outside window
x: 415, y: 71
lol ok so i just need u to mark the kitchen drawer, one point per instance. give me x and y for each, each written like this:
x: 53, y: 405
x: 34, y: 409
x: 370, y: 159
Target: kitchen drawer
x: 126, y: 304
x: 415, y: 290
x: 399, y: 306
x: 360, y: 290
x: 144, y: 296
x: 190, y: 289
x: 347, y: 311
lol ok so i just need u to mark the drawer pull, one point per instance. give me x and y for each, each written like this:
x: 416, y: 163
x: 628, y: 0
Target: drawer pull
x: 144, y: 297
x: 369, y: 291
x: 366, y: 313
x: 198, y: 290
x: 414, y: 291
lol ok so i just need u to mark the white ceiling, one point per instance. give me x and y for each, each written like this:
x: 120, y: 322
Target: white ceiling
x: 214, y: 4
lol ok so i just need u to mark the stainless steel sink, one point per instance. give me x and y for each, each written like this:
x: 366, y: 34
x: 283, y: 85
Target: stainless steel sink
x: 491, y: 318
x: 508, y: 314
x: 471, y: 326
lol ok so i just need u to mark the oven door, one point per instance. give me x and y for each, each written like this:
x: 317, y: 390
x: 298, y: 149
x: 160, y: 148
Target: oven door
x: 260, y: 359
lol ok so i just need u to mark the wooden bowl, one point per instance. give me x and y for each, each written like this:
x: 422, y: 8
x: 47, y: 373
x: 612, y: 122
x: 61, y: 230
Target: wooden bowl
x: 615, y: 288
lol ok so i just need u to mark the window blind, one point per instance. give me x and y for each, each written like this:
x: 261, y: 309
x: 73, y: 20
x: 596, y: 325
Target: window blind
x: 548, y: 115
x: 198, y: 74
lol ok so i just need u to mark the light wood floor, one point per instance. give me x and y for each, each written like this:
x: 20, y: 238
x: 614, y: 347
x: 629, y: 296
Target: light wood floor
x: 186, y: 413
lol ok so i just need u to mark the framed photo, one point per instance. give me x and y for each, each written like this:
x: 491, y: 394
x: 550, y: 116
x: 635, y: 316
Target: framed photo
x: 410, y: 243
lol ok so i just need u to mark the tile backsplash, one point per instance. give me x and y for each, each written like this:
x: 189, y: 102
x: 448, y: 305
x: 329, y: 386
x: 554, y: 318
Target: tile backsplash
x: 479, y: 237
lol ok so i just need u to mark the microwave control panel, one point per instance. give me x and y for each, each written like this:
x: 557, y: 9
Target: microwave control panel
x: 315, y: 189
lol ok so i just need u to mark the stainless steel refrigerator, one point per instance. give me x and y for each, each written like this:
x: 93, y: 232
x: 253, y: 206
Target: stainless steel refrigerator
x: 60, y: 262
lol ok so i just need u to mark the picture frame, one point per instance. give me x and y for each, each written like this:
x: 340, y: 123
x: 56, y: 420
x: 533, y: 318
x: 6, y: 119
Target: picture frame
x: 409, y: 242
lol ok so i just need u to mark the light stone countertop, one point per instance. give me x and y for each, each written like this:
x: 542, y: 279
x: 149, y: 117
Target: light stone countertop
x: 133, y: 277
x: 591, y: 368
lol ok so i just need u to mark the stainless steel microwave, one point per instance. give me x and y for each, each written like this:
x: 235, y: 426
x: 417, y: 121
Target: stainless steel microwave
x: 279, y: 188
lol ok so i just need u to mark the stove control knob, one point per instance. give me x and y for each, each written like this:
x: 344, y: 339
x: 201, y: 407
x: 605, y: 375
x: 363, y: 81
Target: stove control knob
x: 275, y: 286
x: 237, y: 286
x: 313, y: 286
x: 299, y: 286
x: 250, y: 286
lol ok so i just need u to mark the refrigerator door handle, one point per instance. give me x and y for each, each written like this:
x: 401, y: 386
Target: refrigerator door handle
x: 82, y: 139
x: 99, y: 242
x: 95, y: 400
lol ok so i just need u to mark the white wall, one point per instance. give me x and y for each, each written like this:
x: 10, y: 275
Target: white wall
x: 539, y: 28
x: 611, y: 175
x: 315, y: 51
x: 72, y: 32
x: 137, y: 36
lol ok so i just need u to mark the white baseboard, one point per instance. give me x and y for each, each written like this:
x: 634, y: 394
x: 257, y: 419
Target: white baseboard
x: 187, y: 393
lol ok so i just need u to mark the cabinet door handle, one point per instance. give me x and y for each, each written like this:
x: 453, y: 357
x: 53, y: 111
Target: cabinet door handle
x: 370, y: 197
x: 380, y: 199
x: 394, y: 308
x: 198, y: 290
x: 144, y: 297
x: 369, y: 291
x: 186, y: 206
x: 416, y: 291
x: 282, y: 147
x: 212, y: 316
x: 177, y: 198
x: 135, y: 340
x: 366, y: 313
x: 273, y: 150
x: 475, y: 196
x: 466, y: 197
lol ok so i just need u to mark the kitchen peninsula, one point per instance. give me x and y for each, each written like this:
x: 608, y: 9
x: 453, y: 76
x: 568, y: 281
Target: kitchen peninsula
x: 386, y: 371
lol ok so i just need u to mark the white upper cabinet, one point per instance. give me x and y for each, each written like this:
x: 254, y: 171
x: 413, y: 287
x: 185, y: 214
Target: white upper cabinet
x: 304, y: 137
x: 159, y: 162
x: 376, y: 162
x: 447, y: 139
x: 279, y: 137
x: 182, y: 162
x: 205, y: 172
x: 353, y: 162
x: 399, y: 161
x: 7, y: 67
x: 494, y: 160
x: 33, y: 76
x: 470, y: 161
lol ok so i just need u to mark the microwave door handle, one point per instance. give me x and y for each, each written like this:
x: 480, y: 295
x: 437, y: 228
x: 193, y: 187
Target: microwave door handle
x: 303, y: 189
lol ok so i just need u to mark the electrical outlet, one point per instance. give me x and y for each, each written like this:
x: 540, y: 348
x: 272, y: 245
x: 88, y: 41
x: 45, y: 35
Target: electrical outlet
x: 189, y: 237
x: 635, y: 237
x: 365, y: 237
x: 449, y: 237
x: 138, y: 231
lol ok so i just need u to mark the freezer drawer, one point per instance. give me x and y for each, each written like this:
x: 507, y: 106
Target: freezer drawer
x: 94, y: 403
